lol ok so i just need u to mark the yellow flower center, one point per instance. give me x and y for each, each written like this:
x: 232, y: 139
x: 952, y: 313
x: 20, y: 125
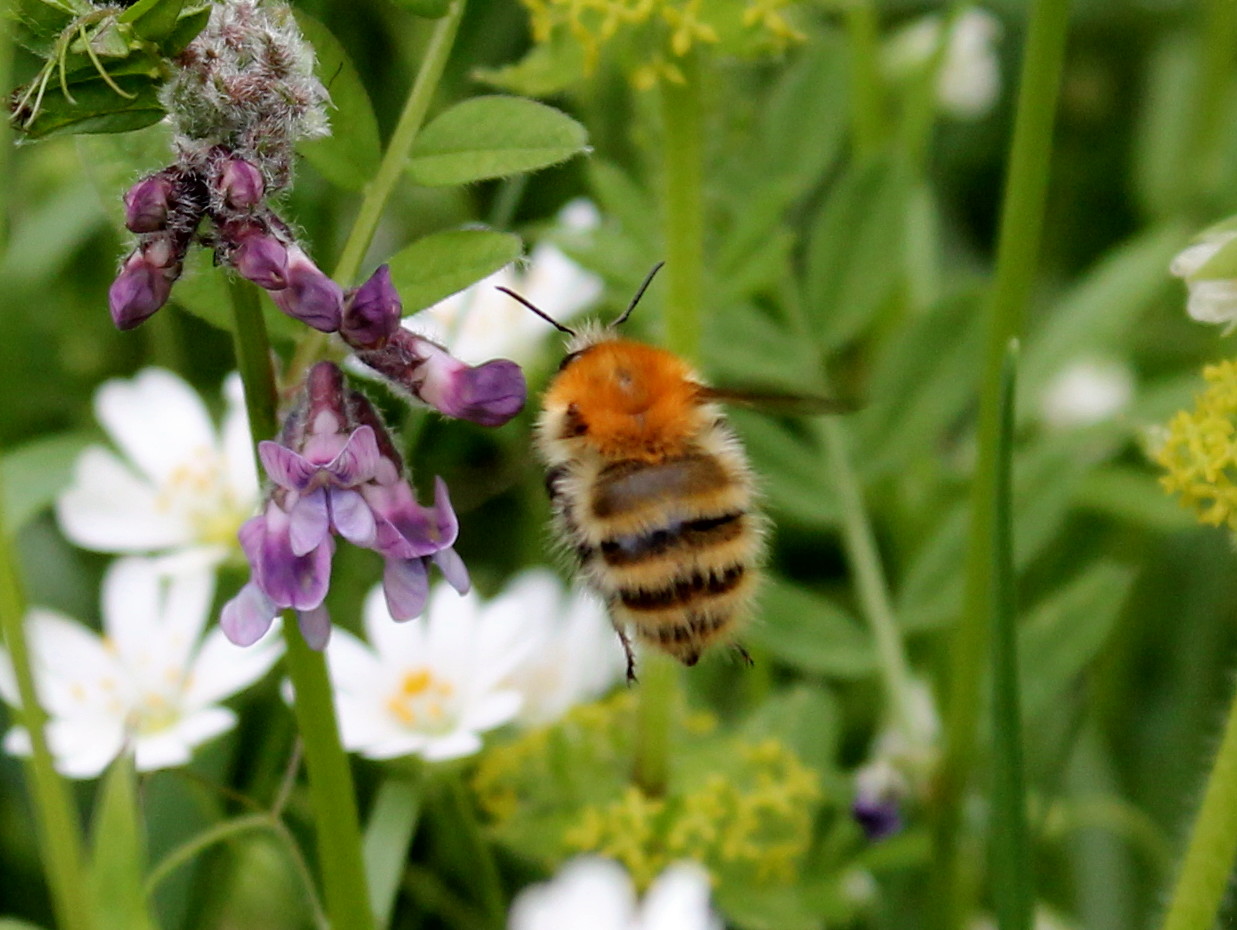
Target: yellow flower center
x: 1200, y: 450
x: 418, y: 700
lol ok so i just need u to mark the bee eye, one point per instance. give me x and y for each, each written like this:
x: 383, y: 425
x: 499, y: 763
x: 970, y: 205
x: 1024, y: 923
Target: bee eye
x: 568, y: 359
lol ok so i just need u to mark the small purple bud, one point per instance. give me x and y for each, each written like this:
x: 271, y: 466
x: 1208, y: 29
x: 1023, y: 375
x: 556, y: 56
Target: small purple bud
x: 262, y: 259
x: 371, y: 312
x: 247, y: 617
x: 315, y: 626
x: 879, y: 818
x: 241, y: 184
x: 147, y: 204
x: 489, y: 394
x: 310, y: 296
x: 143, y: 284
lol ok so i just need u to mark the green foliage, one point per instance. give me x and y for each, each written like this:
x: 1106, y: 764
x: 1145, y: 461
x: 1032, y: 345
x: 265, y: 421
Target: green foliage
x: 439, y: 265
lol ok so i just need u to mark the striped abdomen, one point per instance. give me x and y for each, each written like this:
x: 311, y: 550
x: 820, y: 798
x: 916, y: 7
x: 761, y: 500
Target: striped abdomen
x: 672, y: 545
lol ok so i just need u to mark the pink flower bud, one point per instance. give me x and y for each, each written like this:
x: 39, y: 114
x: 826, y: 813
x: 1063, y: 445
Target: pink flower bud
x: 371, y: 312
x: 262, y: 259
x: 144, y: 283
x: 241, y: 184
x: 310, y: 296
x: 147, y: 203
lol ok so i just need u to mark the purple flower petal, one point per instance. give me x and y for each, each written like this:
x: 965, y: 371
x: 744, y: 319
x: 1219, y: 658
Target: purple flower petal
x: 353, y: 519
x: 310, y: 296
x: 143, y: 285
x: 261, y: 258
x: 357, y: 460
x: 247, y: 617
x: 453, y: 569
x: 447, y: 524
x: 406, y: 586
x: 371, y: 312
x: 310, y: 522
x: 146, y: 204
x: 879, y: 818
x: 241, y: 184
x: 315, y: 627
x: 285, y: 467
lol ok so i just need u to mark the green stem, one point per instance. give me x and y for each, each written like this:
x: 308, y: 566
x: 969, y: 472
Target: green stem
x: 1012, y: 886
x: 394, y: 161
x: 1209, y: 856
x: 392, y: 823
x: 871, y: 586
x: 867, y: 96
x: 682, y: 119
x: 330, y: 779
x: 6, y: 132
x: 486, y: 878
x: 59, y: 829
x: 658, y: 701
x: 1017, y: 259
x: 1212, y: 98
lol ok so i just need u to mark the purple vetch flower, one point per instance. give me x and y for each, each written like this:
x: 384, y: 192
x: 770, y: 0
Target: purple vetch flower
x: 489, y: 394
x: 879, y: 819
x: 309, y: 296
x: 880, y: 788
x: 240, y: 184
x: 335, y: 472
x: 145, y: 281
x: 371, y: 312
x: 147, y: 203
x: 259, y: 257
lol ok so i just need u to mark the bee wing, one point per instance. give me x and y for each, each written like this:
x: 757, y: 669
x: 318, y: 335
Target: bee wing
x: 779, y: 402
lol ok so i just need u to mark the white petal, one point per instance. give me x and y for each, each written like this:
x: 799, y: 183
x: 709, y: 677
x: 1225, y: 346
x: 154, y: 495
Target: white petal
x: 492, y: 711
x: 8, y: 681
x: 85, y: 747
x: 456, y: 745
x: 364, y: 725
x: 588, y: 892
x: 131, y: 600
x: 109, y: 509
x: 354, y: 667
x: 402, y: 643
x: 238, y: 445
x: 678, y: 899
x: 1213, y: 301
x: 174, y: 746
x: 1193, y: 257
x: 222, y: 668
x: 156, y: 419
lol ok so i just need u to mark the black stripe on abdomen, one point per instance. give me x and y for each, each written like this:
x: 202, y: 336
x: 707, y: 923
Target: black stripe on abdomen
x: 691, y: 535
x: 684, y: 591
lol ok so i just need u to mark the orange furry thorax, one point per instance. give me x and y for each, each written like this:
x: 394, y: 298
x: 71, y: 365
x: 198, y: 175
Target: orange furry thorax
x: 637, y: 401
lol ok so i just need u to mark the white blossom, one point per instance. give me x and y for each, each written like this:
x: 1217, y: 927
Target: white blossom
x: 182, y: 487
x: 428, y: 686
x: 1086, y: 391
x: 482, y: 323
x: 968, y: 82
x: 1211, y: 299
x: 598, y: 894
x: 151, y: 682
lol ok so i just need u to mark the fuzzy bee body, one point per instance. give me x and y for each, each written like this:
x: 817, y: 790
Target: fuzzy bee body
x: 652, y: 492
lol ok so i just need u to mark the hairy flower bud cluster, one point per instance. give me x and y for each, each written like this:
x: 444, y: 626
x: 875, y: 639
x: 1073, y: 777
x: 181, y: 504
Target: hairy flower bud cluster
x: 490, y: 394
x: 167, y: 208
x: 335, y: 472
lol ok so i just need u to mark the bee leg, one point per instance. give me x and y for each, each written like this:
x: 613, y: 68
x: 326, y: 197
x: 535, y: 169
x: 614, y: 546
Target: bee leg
x: 744, y: 655
x: 631, y: 656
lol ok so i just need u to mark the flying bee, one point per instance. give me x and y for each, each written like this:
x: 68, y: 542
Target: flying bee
x: 651, y: 489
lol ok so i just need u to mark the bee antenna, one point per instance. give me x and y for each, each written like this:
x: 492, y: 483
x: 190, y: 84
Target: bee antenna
x: 541, y: 313
x: 640, y: 293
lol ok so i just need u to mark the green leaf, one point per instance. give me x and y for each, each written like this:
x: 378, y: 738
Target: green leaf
x: 1065, y: 634
x: 442, y: 263
x: 153, y: 20
x: 203, y: 291
x: 807, y: 718
x: 855, y: 250
x: 191, y: 22
x: 350, y: 155
x: 40, y: 22
x: 112, y: 162
x: 791, y: 469
x: 35, y: 472
x: 98, y: 108
x: 493, y: 137
x: 12, y: 923
x: 548, y: 68
x: 118, y: 856
x: 811, y: 633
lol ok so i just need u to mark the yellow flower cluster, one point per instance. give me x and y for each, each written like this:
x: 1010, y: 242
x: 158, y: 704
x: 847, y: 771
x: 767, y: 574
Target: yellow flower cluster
x: 752, y: 822
x: 662, y: 29
x: 1200, y: 450
x: 742, y: 809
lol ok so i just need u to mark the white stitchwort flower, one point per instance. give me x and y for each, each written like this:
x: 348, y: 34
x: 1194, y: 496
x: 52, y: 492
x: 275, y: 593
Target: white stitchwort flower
x: 1086, y: 391
x: 598, y: 894
x: 429, y: 686
x: 482, y: 323
x: 151, y: 682
x: 185, y: 487
x: 1210, y: 276
x: 968, y: 82
x: 573, y: 654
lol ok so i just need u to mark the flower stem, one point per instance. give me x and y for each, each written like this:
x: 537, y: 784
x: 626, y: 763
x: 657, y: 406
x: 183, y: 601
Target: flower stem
x: 6, y: 145
x: 330, y: 779
x: 486, y: 878
x: 683, y: 211
x: 1017, y: 254
x: 395, y: 158
x: 1208, y: 862
x: 867, y: 99
x: 59, y: 828
x: 313, y: 346
x: 392, y: 822
x: 659, y: 690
